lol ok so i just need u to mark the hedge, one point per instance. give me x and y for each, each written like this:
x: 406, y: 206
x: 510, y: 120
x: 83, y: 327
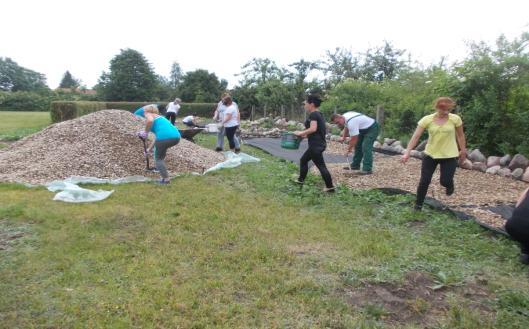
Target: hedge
x: 24, y: 101
x: 61, y: 110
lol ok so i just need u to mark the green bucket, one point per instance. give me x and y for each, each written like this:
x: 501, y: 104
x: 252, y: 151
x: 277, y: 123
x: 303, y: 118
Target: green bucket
x: 290, y: 141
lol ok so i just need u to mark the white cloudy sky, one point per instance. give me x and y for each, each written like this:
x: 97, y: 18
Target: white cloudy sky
x: 82, y: 36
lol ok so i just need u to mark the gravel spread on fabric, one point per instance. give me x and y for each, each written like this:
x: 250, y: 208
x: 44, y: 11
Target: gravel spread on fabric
x: 474, y: 191
x: 101, y: 144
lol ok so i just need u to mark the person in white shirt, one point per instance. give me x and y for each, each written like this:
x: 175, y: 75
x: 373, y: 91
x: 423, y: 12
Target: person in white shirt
x: 191, y: 121
x: 230, y: 122
x: 219, y: 117
x: 363, y: 132
x: 171, y: 110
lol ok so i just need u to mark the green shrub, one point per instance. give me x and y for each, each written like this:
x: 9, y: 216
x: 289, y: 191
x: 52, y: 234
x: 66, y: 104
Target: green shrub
x: 24, y: 101
x: 61, y: 111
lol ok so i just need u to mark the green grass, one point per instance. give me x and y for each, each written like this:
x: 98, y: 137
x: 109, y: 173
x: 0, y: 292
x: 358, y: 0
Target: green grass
x: 16, y: 125
x: 240, y: 248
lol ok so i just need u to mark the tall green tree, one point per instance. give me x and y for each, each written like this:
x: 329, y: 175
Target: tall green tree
x: 340, y: 65
x: 68, y: 81
x: 131, y: 78
x: 176, y: 76
x: 201, y: 86
x: 383, y: 63
x: 17, y: 78
x: 260, y: 70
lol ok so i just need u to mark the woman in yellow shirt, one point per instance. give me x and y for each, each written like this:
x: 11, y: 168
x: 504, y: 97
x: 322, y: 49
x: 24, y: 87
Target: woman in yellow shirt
x: 445, y: 134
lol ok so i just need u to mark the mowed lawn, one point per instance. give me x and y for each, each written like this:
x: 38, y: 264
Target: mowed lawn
x: 15, y: 125
x: 244, y: 248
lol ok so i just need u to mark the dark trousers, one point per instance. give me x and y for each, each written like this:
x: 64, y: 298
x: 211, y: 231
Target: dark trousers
x: 316, y: 155
x: 171, y: 116
x: 230, y: 134
x: 518, y: 227
x: 160, y: 151
x: 448, y: 169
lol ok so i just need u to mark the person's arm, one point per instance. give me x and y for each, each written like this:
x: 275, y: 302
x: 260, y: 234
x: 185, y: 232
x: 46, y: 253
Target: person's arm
x: 351, y: 145
x: 151, y: 147
x: 310, y: 130
x: 148, y: 124
x: 522, y: 197
x: 413, y: 142
x: 462, y: 142
x: 227, y: 117
x: 343, y: 134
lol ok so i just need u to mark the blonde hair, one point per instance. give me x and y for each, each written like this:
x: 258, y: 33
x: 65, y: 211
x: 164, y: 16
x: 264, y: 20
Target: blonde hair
x: 177, y: 100
x: 151, y: 109
x: 444, y: 99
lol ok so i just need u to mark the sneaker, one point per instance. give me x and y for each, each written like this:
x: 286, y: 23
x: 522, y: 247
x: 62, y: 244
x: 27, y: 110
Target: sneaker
x: 163, y: 182
x: 361, y: 172
x: 417, y: 208
x: 237, y: 151
x: 296, y: 181
x: 218, y: 149
x: 524, y: 259
x: 329, y: 189
x: 450, y: 190
x: 351, y: 168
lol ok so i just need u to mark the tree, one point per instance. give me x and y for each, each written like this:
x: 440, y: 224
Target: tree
x: 176, y: 75
x: 68, y: 81
x: 260, y: 70
x: 383, y: 63
x: 341, y: 65
x: 131, y: 78
x: 201, y: 86
x: 17, y: 78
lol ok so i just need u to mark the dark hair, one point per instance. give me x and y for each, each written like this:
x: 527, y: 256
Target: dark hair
x: 335, y: 116
x: 314, y: 99
x: 194, y: 114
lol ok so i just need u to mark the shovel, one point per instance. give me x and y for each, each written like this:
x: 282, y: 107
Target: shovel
x: 148, y: 168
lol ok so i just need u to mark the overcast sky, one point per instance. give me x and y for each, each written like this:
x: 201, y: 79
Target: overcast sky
x: 53, y: 36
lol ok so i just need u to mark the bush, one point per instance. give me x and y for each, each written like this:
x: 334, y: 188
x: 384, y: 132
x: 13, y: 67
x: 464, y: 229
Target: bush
x: 24, y: 101
x: 61, y: 110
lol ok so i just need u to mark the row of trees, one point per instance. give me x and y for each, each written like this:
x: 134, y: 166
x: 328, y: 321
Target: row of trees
x: 491, y: 86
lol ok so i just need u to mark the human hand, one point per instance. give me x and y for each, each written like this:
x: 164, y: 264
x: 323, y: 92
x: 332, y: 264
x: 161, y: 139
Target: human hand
x: 142, y: 134
x: 462, y: 156
x: 405, y: 156
x: 297, y: 133
x: 341, y: 139
x: 220, y: 125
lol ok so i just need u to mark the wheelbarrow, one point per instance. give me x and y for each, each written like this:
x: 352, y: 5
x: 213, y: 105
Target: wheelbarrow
x: 188, y: 134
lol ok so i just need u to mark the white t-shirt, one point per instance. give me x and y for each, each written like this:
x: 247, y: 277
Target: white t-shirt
x: 233, y: 110
x: 356, y: 121
x: 188, y: 119
x: 221, y: 109
x: 172, y: 108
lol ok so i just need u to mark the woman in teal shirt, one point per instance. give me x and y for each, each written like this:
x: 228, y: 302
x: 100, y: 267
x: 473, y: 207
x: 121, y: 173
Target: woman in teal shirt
x: 166, y: 136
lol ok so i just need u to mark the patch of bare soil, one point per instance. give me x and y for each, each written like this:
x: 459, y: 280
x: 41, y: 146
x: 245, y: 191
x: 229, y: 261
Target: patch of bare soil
x: 8, y: 236
x: 415, y: 301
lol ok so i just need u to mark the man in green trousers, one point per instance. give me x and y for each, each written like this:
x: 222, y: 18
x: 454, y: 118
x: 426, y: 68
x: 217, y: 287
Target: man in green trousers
x: 363, y: 131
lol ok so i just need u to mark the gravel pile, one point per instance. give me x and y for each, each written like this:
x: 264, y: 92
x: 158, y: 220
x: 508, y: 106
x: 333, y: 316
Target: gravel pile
x: 475, y: 191
x: 101, y: 144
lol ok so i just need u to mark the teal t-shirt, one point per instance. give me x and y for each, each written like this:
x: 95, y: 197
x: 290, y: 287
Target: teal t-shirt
x: 164, y: 129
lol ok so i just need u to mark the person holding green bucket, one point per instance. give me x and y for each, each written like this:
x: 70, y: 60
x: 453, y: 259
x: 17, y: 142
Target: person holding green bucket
x: 363, y: 132
x: 315, y: 132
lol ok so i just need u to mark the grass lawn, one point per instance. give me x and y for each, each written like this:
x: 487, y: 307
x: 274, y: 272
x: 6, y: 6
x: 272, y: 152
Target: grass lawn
x: 244, y: 248
x: 15, y: 125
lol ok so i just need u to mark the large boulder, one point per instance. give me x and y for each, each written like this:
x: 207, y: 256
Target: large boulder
x: 493, y: 170
x: 422, y: 146
x: 398, y: 149
x: 517, y: 173
x: 377, y: 144
x: 396, y: 143
x: 505, y: 160
x: 518, y: 161
x: 477, y: 156
x: 389, y: 141
x: 467, y: 164
x: 479, y: 166
x: 418, y: 155
x: 505, y: 172
x: 493, y: 161
x: 525, y: 176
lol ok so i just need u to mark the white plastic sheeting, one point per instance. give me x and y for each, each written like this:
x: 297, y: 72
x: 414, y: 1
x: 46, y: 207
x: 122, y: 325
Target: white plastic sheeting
x: 69, y: 190
x: 233, y: 160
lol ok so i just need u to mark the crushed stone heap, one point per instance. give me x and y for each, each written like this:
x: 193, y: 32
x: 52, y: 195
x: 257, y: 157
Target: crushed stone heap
x: 101, y: 144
